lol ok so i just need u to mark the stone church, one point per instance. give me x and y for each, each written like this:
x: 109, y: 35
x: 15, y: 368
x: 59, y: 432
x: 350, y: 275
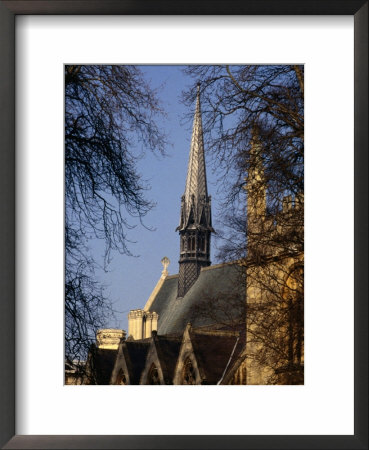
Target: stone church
x: 232, y: 323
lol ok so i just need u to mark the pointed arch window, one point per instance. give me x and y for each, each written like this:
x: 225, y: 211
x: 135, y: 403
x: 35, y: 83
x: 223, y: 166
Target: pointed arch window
x: 191, y: 243
x: 153, y: 376
x: 201, y: 243
x: 121, y: 378
x: 203, y: 219
x: 290, y: 320
x: 188, y: 373
x: 294, y: 303
x: 191, y: 219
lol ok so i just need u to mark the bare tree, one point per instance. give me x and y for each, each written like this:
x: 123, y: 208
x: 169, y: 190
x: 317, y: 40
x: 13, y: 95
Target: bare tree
x: 254, y: 131
x: 110, y: 114
x: 235, y: 100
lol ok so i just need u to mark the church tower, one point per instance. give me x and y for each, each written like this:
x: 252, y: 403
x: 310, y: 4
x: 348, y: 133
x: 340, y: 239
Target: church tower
x: 195, y: 221
x: 256, y: 196
x: 255, y: 185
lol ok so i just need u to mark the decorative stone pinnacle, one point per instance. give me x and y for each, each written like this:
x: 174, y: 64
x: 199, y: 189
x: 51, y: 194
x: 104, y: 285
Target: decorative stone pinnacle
x: 165, y: 261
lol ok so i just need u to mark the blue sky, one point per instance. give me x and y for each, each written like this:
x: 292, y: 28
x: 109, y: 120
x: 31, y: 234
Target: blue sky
x: 130, y: 280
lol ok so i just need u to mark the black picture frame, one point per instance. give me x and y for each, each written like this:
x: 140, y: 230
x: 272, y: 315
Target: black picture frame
x: 8, y: 12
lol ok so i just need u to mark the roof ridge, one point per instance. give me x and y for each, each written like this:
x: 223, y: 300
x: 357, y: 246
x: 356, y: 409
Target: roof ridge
x: 217, y: 332
x: 203, y: 269
x: 169, y: 277
x: 217, y: 266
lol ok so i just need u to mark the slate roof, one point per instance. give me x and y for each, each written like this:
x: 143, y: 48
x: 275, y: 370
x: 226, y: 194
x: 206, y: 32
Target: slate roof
x: 215, y: 352
x: 167, y: 348
x: 135, y: 353
x: 214, y: 282
x: 101, y: 364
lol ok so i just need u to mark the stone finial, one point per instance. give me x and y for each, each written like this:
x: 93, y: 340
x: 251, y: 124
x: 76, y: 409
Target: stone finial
x: 165, y: 261
x: 109, y: 338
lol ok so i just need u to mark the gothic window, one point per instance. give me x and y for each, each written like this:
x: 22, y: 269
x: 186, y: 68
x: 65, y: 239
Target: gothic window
x: 201, y: 242
x: 237, y: 378
x: 153, y: 376
x: 188, y: 374
x: 294, y: 312
x: 240, y: 376
x: 191, y: 243
x: 203, y: 220
x: 121, y: 378
x: 191, y: 219
x: 244, y: 374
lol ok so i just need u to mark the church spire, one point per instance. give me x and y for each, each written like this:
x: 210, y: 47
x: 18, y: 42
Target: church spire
x: 195, y: 220
x: 196, y: 173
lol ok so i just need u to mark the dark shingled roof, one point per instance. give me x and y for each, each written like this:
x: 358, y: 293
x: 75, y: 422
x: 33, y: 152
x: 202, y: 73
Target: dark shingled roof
x: 167, y: 348
x: 135, y: 353
x: 215, y: 352
x: 175, y: 313
x: 101, y: 364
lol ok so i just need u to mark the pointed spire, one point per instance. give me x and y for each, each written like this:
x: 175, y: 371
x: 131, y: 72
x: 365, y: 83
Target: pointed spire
x: 256, y: 190
x: 196, y: 173
x: 195, y: 219
x: 256, y: 170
